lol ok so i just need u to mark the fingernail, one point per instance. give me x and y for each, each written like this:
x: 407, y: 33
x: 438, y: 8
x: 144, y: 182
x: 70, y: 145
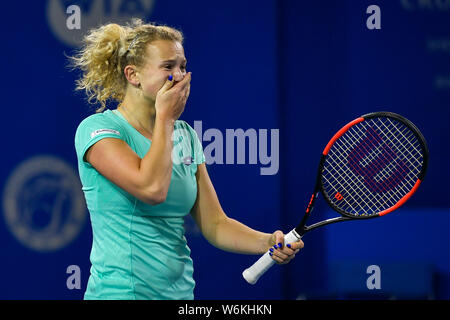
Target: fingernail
x: 280, y: 245
x: 270, y: 254
x: 275, y: 246
x: 288, y: 245
x: 170, y: 78
x: 271, y: 250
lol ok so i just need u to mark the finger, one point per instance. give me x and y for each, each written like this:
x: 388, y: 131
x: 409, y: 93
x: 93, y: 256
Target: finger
x: 278, y: 253
x: 187, y: 91
x: 296, y: 245
x: 287, y: 251
x: 279, y: 239
x: 185, y: 95
x: 283, y: 261
x: 186, y: 81
x: 277, y: 259
x: 167, y: 85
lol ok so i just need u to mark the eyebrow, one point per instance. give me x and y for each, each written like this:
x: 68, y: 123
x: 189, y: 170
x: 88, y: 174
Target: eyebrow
x: 173, y: 61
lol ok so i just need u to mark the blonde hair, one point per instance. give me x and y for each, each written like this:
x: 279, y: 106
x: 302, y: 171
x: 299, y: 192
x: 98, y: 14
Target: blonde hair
x: 107, y: 50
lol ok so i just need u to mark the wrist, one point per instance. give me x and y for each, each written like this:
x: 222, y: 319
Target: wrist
x: 267, y: 242
x: 164, y: 120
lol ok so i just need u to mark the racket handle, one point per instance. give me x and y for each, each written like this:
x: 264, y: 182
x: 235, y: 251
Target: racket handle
x: 252, y: 274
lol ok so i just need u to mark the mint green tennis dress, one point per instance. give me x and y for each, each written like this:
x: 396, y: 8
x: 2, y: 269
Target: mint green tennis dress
x: 139, y: 251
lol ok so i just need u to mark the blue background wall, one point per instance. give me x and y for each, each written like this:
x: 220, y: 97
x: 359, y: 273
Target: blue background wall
x: 303, y: 67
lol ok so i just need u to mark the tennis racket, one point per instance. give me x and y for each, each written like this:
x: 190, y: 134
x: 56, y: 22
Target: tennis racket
x: 370, y: 167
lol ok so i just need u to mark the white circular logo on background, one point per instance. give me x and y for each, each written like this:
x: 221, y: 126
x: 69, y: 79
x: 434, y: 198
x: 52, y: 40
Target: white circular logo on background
x: 92, y: 14
x: 43, y: 203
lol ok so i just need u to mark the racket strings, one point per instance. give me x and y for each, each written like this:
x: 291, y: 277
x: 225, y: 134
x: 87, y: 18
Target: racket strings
x: 372, y: 166
x: 345, y: 199
x: 372, y: 172
x: 347, y: 183
x: 406, y: 148
x: 413, y: 160
x: 381, y: 163
x: 358, y: 199
x: 373, y: 202
x: 376, y: 163
x: 401, y: 132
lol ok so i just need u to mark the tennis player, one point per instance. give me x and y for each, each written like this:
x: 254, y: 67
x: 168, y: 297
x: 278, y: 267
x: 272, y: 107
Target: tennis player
x: 142, y: 169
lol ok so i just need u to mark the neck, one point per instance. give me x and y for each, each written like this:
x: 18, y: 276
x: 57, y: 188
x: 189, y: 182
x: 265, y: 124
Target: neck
x: 139, y: 112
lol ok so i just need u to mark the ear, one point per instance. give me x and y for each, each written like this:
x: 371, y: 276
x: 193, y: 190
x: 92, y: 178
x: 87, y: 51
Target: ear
x: 131, y: 74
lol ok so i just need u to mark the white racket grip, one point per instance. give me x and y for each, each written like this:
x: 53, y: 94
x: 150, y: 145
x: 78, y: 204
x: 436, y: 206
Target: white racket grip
x: 252, y: 274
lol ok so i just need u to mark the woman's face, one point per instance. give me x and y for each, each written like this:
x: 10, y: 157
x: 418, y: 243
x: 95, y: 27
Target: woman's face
x: 164, y: 58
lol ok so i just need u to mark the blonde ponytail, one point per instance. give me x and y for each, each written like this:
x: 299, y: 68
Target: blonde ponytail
x: 105, y: 53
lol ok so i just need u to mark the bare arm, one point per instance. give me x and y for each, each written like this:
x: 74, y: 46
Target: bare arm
x: 147, y: 179
x: 229, y: 234
x: 220, y: 230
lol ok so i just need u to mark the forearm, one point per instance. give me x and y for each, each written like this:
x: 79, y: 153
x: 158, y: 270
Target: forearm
x: 231, y: 235
x: 156, y: 166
